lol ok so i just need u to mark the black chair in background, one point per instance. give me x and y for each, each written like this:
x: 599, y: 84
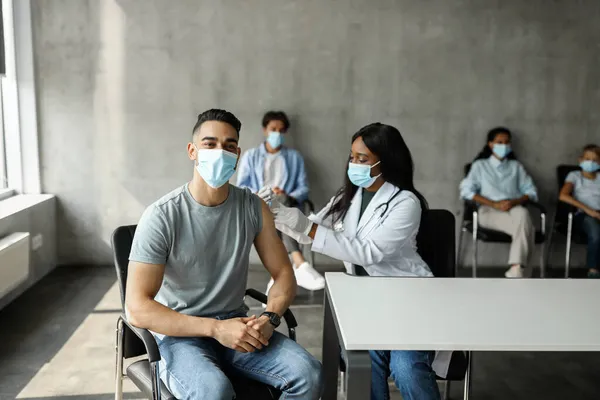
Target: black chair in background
x: 436, y: 244
x: 470, y: 223
x: 562, y: 221
x: 135, y: 342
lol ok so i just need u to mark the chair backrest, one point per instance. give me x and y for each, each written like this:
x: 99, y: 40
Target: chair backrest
x: 468, y: 206
x: 436, y: 242
x: 121, y: 241
x: 122, y: 238
x: 562, y: 209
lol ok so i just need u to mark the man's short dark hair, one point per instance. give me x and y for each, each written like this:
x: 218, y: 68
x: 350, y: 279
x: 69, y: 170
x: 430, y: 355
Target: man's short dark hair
x: 215, y: 114
x: 276, y: 116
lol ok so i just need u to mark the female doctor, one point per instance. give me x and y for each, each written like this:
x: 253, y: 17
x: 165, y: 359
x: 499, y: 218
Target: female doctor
x: 371, y: 225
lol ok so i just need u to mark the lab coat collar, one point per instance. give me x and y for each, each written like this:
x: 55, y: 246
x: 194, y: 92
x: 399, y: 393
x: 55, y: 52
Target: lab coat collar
x: 383, y: 195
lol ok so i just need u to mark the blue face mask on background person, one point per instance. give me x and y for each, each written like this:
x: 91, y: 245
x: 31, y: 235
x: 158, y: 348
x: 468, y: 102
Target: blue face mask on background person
x: 589, y: 166
x: 360, y: 175
x: 275, y: 139
x: 501, y: 150
x: 216, y: 166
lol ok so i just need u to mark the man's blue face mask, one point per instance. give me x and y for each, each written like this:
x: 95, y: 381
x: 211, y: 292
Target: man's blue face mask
x: 501, y: 150
x: 275, y: 139
x: 216, y: 166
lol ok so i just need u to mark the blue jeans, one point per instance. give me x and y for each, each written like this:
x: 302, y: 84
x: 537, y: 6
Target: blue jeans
x: 193, y: 368
x: 591, y: 227
x: 411, y: 371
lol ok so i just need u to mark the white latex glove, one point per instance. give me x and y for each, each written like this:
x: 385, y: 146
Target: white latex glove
x: 298, y: 237
x: 266, y: 193
x: 291, y: 217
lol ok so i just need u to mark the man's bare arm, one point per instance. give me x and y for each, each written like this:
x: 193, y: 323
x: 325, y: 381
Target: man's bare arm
x: 143, y: 283
x: 274, y: 257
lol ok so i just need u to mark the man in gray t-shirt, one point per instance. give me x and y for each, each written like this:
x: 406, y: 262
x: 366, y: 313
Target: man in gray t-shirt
x: 187, y: 275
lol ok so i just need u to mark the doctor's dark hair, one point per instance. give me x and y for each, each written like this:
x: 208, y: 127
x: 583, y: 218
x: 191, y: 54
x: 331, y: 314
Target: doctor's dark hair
x: 276, y: 116
x: 215, y: 114
x: 486, y: 152
x: 397, y: 166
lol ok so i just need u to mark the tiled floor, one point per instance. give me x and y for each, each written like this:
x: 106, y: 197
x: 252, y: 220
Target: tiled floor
x: 57, y: 342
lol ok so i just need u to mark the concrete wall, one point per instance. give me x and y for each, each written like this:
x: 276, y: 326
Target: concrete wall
x: 38, y: 217
x: 121, y: 82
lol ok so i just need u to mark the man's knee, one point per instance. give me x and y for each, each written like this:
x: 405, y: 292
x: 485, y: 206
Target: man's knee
x: 308, y: 380
x: 209, y: 385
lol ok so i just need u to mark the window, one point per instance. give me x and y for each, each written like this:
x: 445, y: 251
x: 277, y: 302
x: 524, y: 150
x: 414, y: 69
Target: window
x: 18, y: 113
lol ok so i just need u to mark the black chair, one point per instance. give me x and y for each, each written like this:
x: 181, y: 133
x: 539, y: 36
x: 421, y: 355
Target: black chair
x: 470, y: 223
x: 562, y: 220
x: 135, y: 342
x: 436, y: 245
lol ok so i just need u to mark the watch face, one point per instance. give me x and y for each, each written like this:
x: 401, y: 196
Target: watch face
x: 273, y: 318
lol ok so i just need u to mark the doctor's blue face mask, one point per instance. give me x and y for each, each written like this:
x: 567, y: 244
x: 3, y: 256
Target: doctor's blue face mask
x: 360, y: 175
x: 215, y: 166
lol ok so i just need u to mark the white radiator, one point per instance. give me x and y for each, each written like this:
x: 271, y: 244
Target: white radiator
x: 14, y: 261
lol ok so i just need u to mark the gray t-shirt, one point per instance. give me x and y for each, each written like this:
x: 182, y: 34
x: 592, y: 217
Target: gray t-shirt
x: 205, y: 249
x: 586, y: 191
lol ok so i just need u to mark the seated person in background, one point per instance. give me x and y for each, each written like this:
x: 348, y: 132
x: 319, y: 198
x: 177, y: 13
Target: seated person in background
x: 582, y: 190
x: 500, y: 184
x: 273, y: 165
x: 187, y: 277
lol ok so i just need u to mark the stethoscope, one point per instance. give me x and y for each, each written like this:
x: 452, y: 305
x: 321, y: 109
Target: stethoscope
x: 339, y: 227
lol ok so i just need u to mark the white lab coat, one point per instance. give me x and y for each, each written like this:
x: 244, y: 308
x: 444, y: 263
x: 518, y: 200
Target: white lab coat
x: 383, y: 243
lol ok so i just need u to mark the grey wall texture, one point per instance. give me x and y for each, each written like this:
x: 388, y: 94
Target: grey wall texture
x: 121, y: 81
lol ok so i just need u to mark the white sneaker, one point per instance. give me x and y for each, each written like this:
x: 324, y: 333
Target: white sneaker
x: 308, y: 277
x: 516, y: 271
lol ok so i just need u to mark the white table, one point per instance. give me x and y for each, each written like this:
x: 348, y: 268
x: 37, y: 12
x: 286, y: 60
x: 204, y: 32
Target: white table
x: 390, y: 313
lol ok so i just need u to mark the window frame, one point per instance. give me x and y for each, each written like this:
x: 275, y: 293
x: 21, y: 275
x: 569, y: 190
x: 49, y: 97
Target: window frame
x: 20, y: 120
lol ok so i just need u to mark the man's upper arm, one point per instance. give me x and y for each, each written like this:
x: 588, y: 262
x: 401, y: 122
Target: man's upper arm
x: 143, y: 282
x: 268, y: 245
x: 149, y: 252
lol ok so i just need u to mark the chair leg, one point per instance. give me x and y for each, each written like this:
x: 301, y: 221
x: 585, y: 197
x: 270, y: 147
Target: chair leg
x: 119, y: 362
x: 155, y: 380
x: 468, y: 376
x: 446, y: 394
x: 568, y: 249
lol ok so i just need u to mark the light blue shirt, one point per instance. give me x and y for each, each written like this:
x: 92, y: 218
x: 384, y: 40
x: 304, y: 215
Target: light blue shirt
x: 251, y: 172
x: 586, y: 191
x: 497, y: 180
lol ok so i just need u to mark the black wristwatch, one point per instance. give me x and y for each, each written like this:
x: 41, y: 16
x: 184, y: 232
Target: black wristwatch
x: 274, y: 319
